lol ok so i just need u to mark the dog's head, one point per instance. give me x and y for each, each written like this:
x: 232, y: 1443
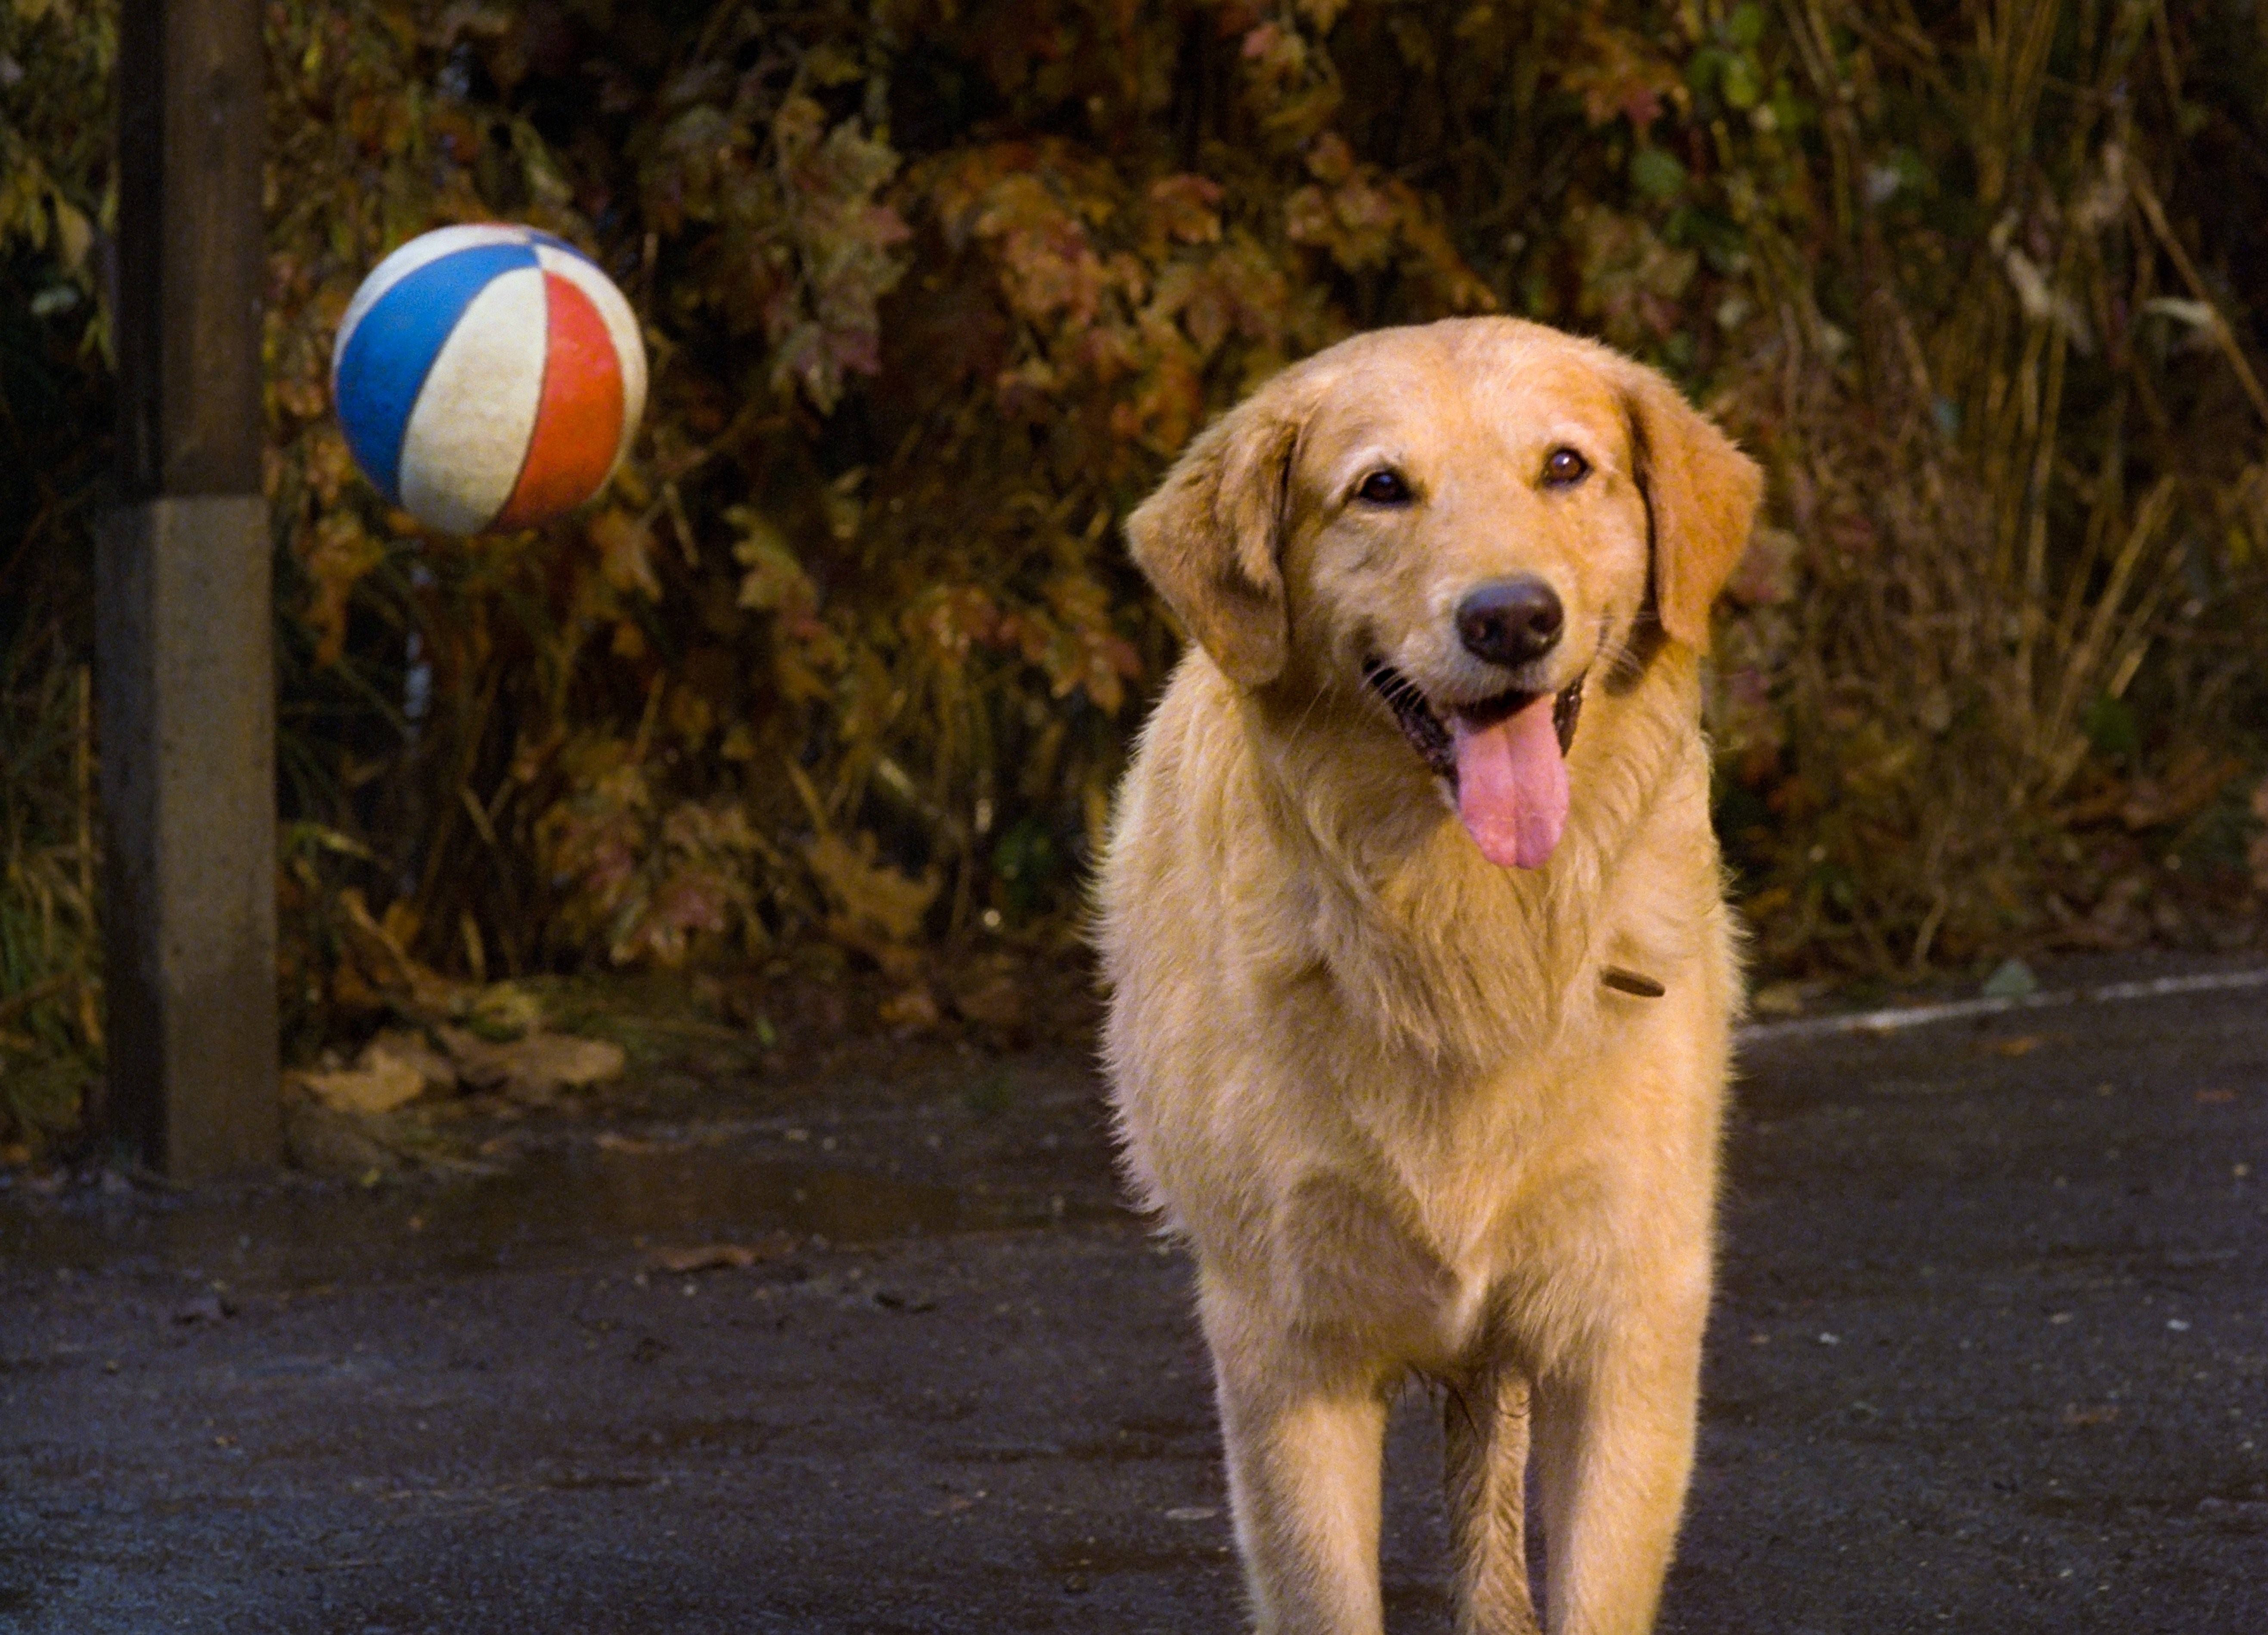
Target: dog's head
x: 1467, y: 522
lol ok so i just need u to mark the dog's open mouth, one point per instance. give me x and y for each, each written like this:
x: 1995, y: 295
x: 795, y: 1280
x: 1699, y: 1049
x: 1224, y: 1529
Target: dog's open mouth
x: 1505, y: 758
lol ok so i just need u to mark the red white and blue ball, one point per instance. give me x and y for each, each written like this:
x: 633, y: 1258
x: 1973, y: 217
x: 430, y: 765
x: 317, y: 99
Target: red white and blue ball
x: 488, y: 377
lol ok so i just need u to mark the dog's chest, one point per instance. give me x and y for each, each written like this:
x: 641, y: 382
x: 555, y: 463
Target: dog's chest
x: 1475, y: 1204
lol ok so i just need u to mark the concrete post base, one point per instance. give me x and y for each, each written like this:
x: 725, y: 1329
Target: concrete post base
x: 186, y: 692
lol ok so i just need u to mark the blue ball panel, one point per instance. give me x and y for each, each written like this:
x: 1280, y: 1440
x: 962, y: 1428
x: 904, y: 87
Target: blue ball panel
x: 391, y: 351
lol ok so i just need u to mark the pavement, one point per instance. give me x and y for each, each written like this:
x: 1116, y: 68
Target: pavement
x: 1991, y: 1353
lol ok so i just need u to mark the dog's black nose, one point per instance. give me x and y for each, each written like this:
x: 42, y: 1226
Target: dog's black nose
x: 1510, y: 621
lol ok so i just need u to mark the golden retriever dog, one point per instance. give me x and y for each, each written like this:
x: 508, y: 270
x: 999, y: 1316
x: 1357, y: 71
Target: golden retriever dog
x: 1422, y: 979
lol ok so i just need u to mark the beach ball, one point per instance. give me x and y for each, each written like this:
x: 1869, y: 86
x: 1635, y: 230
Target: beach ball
x: 488, y: 377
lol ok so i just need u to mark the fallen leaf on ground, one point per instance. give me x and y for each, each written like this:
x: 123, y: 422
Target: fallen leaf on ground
x: 504, y: 1012
x: 714, y: 1256
x: 481, y: 1063
x: 2022, y: 1045
x: 380, y: 1085
x: 995, y: 999
x: 557, y: 1060
x: 396, y: 1048
x: 615, y: 1141
x: 536, y: 1069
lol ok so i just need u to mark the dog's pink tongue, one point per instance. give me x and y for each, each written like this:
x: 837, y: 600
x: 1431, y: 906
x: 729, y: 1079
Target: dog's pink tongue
x: 1511, y: 785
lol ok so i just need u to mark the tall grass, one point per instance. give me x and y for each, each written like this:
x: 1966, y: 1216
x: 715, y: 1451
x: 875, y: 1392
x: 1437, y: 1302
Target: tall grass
x: 52, y: 396
x: 50, y: 984
x: 2022, y: 439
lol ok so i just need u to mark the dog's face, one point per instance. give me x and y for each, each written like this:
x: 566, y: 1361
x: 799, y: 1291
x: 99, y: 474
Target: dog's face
x: 1469, y: 524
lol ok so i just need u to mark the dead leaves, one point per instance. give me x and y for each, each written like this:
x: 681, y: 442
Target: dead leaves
x: 374, y: 967
x: 369, y: 1120
x: 1634, y: 282
x: 1186, y: 208
x: 376, y: 1086
x: 625, y: 547
x: 650, y: 888
x: 2193, y: 777
x: 1620, y: 74
x: 1113, y: 290
x: 910, y: 1010
x: 400, y: 1067
x: 722, y: 1256
x: 336, y: 555
x: 870, y: 905
x: 806, y: 243
x: 536, y: 1070
x: 807, y: 654
x: 837, y: 252
x: 913, y: 595
x: 866, y: 629
x: 1364, y: 217
x: 995, y: 995
x: 992, y: 996
x: 449, y: 1037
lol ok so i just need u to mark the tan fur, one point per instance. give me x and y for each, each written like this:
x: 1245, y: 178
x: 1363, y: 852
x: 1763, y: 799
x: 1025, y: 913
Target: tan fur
x: 1374, y: 1080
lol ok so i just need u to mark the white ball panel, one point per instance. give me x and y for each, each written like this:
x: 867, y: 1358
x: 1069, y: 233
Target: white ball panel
x: 468, y: 438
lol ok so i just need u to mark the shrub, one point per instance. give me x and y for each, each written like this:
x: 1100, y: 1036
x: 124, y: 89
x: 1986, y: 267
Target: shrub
x: 933, y: 292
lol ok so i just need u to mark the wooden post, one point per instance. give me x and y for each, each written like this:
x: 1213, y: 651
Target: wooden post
x: 185, y: 676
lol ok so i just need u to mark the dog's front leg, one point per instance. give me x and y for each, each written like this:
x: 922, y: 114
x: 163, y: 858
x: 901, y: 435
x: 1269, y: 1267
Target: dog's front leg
x: 1304, y: 1443
x: 1614, y: 1452
x: 1485, y: 1435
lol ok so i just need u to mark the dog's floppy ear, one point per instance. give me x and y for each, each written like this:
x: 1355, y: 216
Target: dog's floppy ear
x: 1208, y: 538
x: 1701, y: 495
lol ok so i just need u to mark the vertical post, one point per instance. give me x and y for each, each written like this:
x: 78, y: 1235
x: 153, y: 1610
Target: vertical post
x: 186, y: 677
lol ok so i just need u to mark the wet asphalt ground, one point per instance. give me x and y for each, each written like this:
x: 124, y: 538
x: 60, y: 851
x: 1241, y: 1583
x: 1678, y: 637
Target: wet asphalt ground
x: 1991, y: 1355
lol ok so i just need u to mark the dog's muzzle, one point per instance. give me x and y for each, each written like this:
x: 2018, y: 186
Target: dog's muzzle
x: 1429, y: 735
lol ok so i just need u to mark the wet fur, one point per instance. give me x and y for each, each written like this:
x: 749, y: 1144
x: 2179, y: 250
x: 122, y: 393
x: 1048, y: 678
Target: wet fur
x: 1375, y: 1080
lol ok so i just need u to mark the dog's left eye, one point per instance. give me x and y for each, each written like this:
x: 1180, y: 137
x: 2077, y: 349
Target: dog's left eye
x: 1563, y: 468
x: 1383, y: 487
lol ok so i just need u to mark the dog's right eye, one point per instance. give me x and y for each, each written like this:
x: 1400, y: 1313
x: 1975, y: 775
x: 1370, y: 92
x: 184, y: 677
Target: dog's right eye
x: 1383, y: 487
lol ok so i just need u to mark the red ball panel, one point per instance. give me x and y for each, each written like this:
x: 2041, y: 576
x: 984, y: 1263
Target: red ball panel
x: 579, y: 422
